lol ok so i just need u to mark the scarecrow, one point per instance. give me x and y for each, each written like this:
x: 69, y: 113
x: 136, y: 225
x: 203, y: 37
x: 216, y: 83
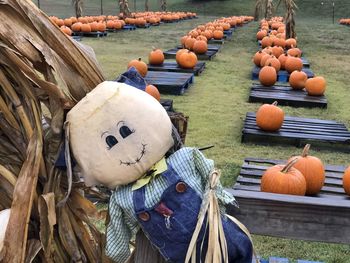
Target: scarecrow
x: 122, y: 137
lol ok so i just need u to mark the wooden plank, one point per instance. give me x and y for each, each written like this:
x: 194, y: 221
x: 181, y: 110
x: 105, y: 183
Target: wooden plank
x: 174, y: 67
x: 209, y: 55
x: 170, y: 82
x: 282, y: 75
x: 299, y: 131
x: 216, y: 41
x: 91, y: 34
x: 210, y: 47
x: 147, y: 25
x: 285, y: 95
x: 129, y: 27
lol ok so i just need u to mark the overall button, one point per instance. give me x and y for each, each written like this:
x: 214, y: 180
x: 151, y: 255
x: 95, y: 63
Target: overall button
x: 144, y: 216
x: 181, y: 187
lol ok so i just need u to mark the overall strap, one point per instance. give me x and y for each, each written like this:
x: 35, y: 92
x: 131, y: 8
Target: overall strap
x: 171, y: 176
x: 138, y: 197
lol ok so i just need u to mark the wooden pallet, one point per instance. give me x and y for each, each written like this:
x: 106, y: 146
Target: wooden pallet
x: 147, y: 25
x: 209, y: 55
x: 285, y: 95
x: 170, y: 82
x: 216, y: 41
x: 210, y: 47
x: 90, y: 34
x: 306, y: 63
x: 112, y: 30
x: 282, y: 75
x: 174, y: 67
x: 129, y: 27
x: 324, y: 217
x: 77, y: 38
x: 167, y: 104
x: 284, y: 260
x: 324, y: 134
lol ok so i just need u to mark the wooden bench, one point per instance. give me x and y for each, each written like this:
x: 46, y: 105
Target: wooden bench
x: 324, y: 217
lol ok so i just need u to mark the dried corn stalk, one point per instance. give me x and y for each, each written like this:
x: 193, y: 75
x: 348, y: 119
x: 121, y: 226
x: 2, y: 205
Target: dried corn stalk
x: 147, y: 5
x: 268, y: 9
x: 78, y: 7
x: 289, y: 18
x: 258, y: 9
x: 124, y: 8
x: 42, y: 73
x: 163, y: 6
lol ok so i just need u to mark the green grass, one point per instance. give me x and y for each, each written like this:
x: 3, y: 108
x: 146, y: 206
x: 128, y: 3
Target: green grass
x: 217, y: 102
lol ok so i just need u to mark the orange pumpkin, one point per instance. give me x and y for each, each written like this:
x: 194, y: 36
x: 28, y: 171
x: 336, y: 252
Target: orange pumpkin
x: 277, y: 51
x: 346, y: 181
x: 94, y: 26
x: 257, y: 57
x: 261, y: 34
x: 60, y: 22
x: 280, y: 42
x: 153, y: 91
x: 189, y: 43
x: 200, y: 47
x: 85, y: 28
x: 283, y: 179
x: 274, y: 62
x: 293, y: 63
x: 291, y: 42
x: 269, y: 117
x: 66, y: 30
x: 187, y: 59
x: 183, y: 40
x: 156, y: 57
x: 68, y: 22
x: 76, y: 26
x: 268, y: 76
x: 283, y: 58
x: 101, y: 27
x: 297, y: 80
x: 140, y: 66
x: 263, y: 59
x: 266, y: 42
x: 218, y: 34
x: 294, y: 52
x: 312, y: 169
x: 315, y: 86
x: 178, y: 54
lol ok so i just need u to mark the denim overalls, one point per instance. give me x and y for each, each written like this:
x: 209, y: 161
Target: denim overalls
x: 169, y: 225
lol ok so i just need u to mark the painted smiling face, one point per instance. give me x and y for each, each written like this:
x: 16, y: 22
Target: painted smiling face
x: 117, y: 133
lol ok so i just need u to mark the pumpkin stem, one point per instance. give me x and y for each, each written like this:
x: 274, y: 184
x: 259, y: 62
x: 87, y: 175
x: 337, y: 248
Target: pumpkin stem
x: 139, y: 59
x: 154, y: 48
x: 275, y: 103
x: 289, y: 165
x: 306, y: 150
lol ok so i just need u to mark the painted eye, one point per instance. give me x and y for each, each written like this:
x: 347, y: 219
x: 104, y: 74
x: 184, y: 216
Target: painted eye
x: 125, y: 131
x: 111, y: 141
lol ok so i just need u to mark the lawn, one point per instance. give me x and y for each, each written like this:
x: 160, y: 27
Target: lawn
x: 217, y: 102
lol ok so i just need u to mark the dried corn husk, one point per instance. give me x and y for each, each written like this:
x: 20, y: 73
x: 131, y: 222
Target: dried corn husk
x: 43, y: 73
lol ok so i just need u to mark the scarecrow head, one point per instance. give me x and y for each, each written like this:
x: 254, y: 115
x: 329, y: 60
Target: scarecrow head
x: 117, y: 133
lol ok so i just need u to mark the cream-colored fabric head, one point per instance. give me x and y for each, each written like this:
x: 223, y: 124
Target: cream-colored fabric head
x: 117, y: 133
x: 4, y: 219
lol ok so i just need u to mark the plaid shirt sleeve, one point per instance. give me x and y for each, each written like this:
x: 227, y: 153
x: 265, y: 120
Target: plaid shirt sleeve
x: 118, y: 234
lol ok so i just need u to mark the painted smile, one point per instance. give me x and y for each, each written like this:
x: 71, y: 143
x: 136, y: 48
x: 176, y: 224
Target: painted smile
x: 142, y: 153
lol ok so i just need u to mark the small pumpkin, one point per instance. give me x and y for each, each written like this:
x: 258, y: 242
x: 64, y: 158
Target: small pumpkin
x: 156, y: 57
x: 188, y: 60
x: 268, y: 76
x: 66, y: 30
x: 269, y: 117
x: 312, y: 169
x: 274, y: 62
x: 140, y: 66
x: 297, y: 80
x: 279, y: 42
x: 257, y: 58
x: 178, y: 54
x: 76, y: 26
x: 218, y: 34
x: 291, y: 42
x: 85, y: 28
x: 283, y: 58
x: 266, y: 42
x: 346, y: 181
x: 294, y: 52
x: 283, y: 179
x: 189, y: 43
x: 293, y: 63
x: 315, y: 86
x: 200, y: 47
x: 261, y: 34
x: 277, y: 51
x: 263, y: 59
x: 153, y: 91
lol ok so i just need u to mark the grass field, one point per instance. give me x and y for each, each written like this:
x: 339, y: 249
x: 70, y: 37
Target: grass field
x: 217, y: 102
